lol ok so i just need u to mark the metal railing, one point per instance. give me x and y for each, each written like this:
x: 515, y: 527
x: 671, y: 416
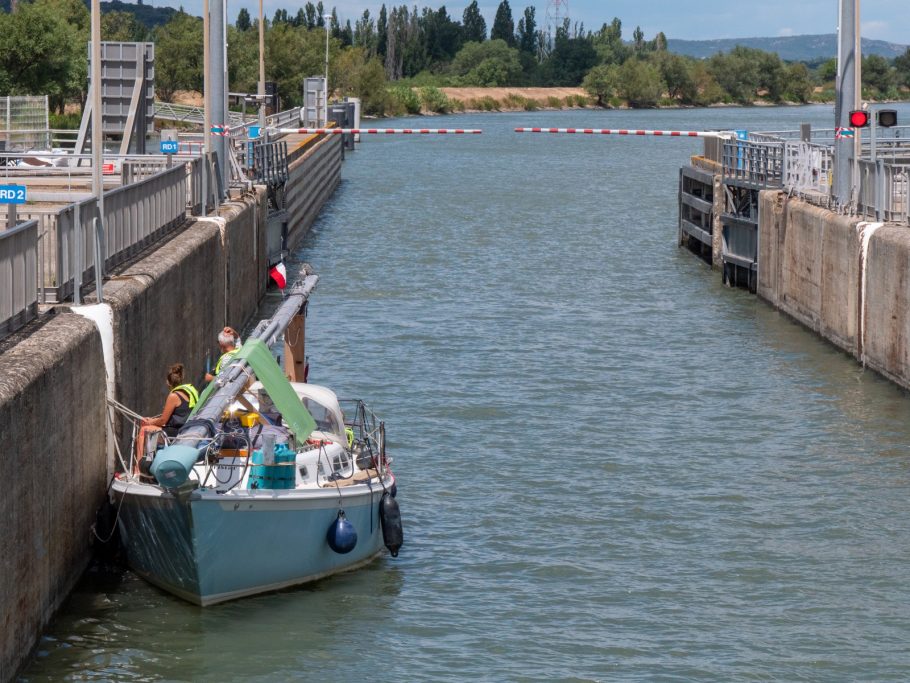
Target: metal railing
x: 135, y: 216
x: 759, y: 164
x: 18, y: 268
x: 270, y: 162
x: 884, y: 191
x: 808, y: 170
x: 190, y: 114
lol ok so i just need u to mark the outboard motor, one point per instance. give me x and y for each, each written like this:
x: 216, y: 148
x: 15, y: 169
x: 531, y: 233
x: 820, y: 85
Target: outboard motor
x: 390, y: 516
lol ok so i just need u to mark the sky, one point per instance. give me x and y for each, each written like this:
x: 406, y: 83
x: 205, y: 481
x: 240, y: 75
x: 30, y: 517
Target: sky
x: 701, y: 20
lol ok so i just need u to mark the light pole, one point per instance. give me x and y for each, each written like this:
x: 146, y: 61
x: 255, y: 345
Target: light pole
x: 848, y: 97
x: 261, y: 89
x: 325, y: 86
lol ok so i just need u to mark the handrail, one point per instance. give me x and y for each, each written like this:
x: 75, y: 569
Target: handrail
x: 19, y: 268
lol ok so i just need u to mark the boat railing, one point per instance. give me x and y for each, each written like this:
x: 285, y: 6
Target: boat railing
x: 367, y: 429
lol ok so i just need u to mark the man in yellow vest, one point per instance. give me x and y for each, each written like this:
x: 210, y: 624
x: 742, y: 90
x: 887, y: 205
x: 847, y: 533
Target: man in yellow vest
x: 229, y: 344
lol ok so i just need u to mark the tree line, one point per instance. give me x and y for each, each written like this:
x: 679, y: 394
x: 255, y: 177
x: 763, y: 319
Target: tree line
x: 381, y: 57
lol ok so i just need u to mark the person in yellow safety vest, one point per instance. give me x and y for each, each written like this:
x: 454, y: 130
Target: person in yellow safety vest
x: 178, y: 405
x: 229, y: 344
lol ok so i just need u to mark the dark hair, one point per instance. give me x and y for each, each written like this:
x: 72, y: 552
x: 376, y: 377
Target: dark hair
x: 175, y: 375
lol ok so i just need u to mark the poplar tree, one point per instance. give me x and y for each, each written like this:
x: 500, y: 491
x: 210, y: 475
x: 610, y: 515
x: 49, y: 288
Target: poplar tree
x: 527, y: 31
x: 503, y: 25
x: 475, y: 28
x: 382, y: 33
x: 243, y: 20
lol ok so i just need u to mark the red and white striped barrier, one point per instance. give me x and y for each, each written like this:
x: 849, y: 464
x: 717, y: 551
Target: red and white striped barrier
x: 380, y: 131
x: 613, y: 131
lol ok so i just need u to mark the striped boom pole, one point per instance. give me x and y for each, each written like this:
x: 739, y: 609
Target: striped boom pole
x: 380, y: 131
x: 614, y: 131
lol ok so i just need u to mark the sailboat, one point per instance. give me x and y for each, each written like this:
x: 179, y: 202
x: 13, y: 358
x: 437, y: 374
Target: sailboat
x: 271, y: 483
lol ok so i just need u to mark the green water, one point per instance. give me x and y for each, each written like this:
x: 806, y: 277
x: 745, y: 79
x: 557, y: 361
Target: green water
x: 610, y: 467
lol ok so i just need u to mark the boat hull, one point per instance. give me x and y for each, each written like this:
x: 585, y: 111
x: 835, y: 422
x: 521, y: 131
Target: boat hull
x: 209, y: 548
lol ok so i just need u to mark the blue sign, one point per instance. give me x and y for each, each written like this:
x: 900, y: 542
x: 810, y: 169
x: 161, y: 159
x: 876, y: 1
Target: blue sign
x: 255, y: 132
x: 169, y: 146
x: 12, y: 194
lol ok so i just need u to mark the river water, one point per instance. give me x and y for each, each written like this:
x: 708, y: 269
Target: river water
x: 610, y: 466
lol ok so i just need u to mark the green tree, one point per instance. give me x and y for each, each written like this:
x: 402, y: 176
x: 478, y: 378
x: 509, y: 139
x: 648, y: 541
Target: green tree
x: 243, y: 59
x: 828, y: 70
x: 797, y: 83
x: 360, y: 75
x: 601, y: 82
x: 527, y: 32
x: 737, y: 72
x: 503, y: 24
x: 676, y: 72
x: 489, y: 64
x: 293, y: 53
x: 570, y: 59
x: 40, y: 53
x: 178, y: 56
x: 877, y: 75
x: 382, y: 30
x: 707, y: 89
x: 122, y: 27
x: 608, y: 43
x: 475, y: 28
x: 639, y: 83
x: 243, y: 20
x: 365, y: 33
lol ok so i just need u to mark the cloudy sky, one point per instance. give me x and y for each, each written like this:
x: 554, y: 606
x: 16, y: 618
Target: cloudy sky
x: 883, y: 19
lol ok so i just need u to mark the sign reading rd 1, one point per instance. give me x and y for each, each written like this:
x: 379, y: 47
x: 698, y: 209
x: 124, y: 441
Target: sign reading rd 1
x: 169, y: 147
x: 12, y: 194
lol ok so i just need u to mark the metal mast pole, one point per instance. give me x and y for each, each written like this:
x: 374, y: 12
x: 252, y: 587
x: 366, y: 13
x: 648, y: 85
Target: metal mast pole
x: 857, y: 97
x: 325, y: 86
x: 97, y: 147
x: 261, y: 90
x: 218, y: 94
x: 206, y: 106
x: 845, y: 100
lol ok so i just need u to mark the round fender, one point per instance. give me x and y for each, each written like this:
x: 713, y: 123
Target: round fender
x: 341, y: 535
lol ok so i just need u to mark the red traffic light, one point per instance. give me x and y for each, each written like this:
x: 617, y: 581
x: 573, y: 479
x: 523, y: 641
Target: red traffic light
x: 859, y: 118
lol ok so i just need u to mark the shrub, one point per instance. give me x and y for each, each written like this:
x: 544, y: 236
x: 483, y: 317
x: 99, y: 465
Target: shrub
x: 531, y: 105
x: 64, y: 121
x: 434, y: 100
x: 554, y: 102
x: 404, y: 100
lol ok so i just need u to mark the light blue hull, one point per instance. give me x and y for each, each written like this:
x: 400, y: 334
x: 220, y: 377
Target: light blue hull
x: 208, y: 547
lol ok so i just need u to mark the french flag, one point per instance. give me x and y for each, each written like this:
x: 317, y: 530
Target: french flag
x: 280, y: 275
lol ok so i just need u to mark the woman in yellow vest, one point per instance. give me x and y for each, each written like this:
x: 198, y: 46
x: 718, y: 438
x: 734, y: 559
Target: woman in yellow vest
x: 180, y: 401
x: 229, y: 344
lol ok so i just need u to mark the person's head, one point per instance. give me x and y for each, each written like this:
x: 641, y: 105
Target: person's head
x: 227, y: 339
x: 175, y: 375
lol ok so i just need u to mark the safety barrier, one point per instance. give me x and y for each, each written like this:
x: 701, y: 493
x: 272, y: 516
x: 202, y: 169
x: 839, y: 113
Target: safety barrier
x: 19, y: 268
x: 808, y: 170
x: 755, y: 164
x: 270, y: 162
x: 883, y: 191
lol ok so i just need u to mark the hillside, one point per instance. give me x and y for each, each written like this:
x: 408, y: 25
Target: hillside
x: 790, y: 48
x: 147, y: 15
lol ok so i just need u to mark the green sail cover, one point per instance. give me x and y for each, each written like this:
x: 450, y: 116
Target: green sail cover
x: 259, y: 358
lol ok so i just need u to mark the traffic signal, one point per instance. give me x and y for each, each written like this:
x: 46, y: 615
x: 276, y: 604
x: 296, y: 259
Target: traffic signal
x: 859, y: 118
x: 887, y: 117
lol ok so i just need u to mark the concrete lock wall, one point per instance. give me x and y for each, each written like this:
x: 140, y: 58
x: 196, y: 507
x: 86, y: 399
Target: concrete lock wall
x: 315, y: 172
x: 52, y: 390
x: 887, y: 304
x: 167, y: 306
x: 812, y: 267
x: 809, y: 266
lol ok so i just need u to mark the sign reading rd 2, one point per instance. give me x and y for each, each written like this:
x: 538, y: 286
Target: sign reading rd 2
x: 12, y: 194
